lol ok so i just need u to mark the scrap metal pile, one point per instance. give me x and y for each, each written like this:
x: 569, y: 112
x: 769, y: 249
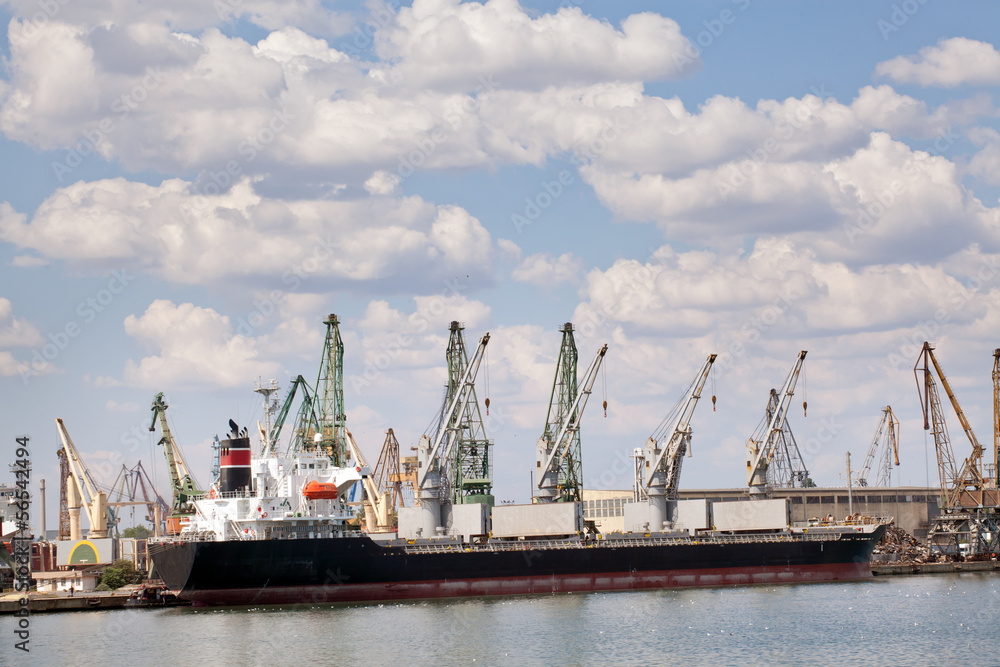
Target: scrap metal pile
x: 906, y: 549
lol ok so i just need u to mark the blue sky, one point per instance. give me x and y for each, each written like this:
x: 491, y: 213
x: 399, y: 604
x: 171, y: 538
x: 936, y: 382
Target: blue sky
x: 746, y: 178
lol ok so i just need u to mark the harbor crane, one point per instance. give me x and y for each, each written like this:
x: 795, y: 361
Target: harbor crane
x: 884, y: 449
x: 435, y: 458
x: 770, y: 441
x: 378, y: 515
x: 132, y: 483
x: 658, y: 466
x: 955, y: 483
x: 969, y: 521
x: 182, y: 484
x: 82, y: 492
x: 559, y: 468
x: 388, y: 472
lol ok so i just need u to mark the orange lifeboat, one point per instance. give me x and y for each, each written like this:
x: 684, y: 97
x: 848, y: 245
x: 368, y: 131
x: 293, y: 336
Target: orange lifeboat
x: 320, y: 491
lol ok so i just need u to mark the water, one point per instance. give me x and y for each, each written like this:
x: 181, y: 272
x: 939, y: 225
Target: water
x: 917, y: 620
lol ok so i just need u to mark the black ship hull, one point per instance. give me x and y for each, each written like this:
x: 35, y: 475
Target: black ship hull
x: 354, y: 569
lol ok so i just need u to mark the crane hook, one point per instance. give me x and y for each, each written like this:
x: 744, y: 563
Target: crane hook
x: 605, y: 409
x: 804, y: 404
x: 487, y: 407
x: 713, y: 402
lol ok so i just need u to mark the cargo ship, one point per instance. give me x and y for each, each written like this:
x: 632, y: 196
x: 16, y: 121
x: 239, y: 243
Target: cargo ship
x: 277, y: 530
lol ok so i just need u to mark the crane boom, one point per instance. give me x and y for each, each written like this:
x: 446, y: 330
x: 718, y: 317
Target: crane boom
x: 668, y: 453
x: 458, y: 406
x: 379, y: 503
x: 996, y: 418
x: 889, y: 426
x: 548, y: 474
x: 183, y: 485
x: 94, y: 500
x: 761, y: 451
x: 954, y: 483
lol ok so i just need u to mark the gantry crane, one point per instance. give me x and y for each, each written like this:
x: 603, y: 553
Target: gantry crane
x: 182, y: 484
x: 133, y: 483
x: 658, y: 466
x: 559, y: 468
x: 770, y: 441
x: 886, y: 441
x: 969, y: 521
x: 435, y: 459
x: 82, y: 489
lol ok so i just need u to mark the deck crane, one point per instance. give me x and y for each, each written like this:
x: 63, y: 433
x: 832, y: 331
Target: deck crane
x: 182, y: 484
x: 559, y: 468
x: 658, y: 466
x: 434, y: 457
x: 763, y: 446
x: 955, y: 483
x: 306, y: 423
x: 886, y: 440
x: 378, y: 516
x: 81, y: 488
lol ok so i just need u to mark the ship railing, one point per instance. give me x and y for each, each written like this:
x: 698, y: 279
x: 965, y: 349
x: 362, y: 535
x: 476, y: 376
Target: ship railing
x: 216, y: 495
x: 855, y: 520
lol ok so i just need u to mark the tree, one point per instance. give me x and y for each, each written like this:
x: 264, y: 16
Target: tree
x: 137, y: 532
x: 120, y: 573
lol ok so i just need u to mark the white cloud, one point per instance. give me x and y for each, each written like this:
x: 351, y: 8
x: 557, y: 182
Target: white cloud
x: 545, y: 270
x: 953, y: 62
x: 192, y: 346
x: 173, y: 232
x: 15, y: 332
x: 445, y: 44
x: 178, y: 14
x: 382, y: 183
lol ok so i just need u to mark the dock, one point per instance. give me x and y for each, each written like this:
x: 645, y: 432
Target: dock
x: 883, y: 569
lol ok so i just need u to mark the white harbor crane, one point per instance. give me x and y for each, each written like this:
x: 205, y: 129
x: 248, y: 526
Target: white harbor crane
x: 658, y: 466
x: 886, y: 441
x: 378, y: 508
x: 763, y: 445
x: 554, y: 458
x: 81, y: 488
x: 433, y: 457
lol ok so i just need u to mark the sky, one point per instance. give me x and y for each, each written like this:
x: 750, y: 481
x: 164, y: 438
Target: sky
x: 187, y: 189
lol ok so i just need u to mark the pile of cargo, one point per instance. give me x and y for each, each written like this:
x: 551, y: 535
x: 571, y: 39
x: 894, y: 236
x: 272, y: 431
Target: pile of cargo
x: 899, y: 546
